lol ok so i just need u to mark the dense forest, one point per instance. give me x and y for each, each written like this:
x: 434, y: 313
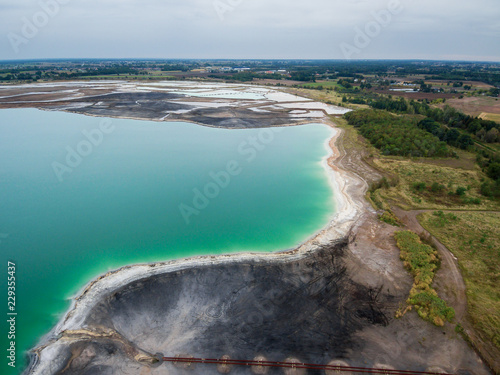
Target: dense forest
x: 483, y: 130
x: 397, y: 135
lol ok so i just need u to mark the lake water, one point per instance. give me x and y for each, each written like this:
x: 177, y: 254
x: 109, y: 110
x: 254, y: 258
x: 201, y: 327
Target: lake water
x: 83, y: 195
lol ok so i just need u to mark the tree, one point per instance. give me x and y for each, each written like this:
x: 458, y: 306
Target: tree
x: 494, y: 171
x: 464, y: 141
x: 492, y: 136
x: 451, y: 135
x: 481, y: 134
x: 494, y: 92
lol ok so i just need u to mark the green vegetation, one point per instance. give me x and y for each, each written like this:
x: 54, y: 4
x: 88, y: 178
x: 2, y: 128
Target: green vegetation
x: 473, y: 239
x: 440, y: 219
x: 303, y: 75
x: 443, y: 122
x: 422, y: 262
x: 439, y: 193
x: 448, y: 125
x: 491, y: 189
x: 245, y: 76
x: 396, y: 135
x: 324, y: 85
x: 389, y: 218
x: 429, y: 186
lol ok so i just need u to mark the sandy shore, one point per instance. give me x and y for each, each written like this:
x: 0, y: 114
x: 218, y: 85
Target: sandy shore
x: 347, y: 213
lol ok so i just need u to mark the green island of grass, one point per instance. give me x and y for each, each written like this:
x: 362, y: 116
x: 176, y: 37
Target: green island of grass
x: 422, y: 261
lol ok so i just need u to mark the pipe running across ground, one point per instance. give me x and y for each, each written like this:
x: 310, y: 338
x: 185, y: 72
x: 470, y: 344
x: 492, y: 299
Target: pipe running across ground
x: 341, y: 369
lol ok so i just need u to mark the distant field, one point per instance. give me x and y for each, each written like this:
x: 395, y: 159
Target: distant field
x: 443, y: 83
x: 416, y: 95
x: 282, y: 82
x: 324, y: 84
x: 490, y: 116
x: 473, y: 238
x: 475, y: 106
x: 473, y: 84
x: 310, y: 85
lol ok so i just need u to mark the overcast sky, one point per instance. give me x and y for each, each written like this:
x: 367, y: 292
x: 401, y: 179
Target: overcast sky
x: 253, y: 29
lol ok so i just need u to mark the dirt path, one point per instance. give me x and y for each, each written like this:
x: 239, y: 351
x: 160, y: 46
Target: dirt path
x: 354, y: 163
x: 452, y: 288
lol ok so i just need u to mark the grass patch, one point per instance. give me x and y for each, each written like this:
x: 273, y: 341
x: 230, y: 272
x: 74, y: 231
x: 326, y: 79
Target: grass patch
x: 428, y: 186
x: 352, y: 140
x: 422, y: 261
x: 389, y: 218
x: 473, y: 238
x: 464, y: 160
x: 329, y: 97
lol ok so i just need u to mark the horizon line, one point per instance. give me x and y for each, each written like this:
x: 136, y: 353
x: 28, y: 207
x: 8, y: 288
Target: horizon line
x: 243, y: 59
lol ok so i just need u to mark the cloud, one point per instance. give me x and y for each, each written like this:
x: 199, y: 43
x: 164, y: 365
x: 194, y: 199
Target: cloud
x: 251, y: 28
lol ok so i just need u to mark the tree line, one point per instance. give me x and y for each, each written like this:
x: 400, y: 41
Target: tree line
x: 397, y: 135
x: 483, y: 130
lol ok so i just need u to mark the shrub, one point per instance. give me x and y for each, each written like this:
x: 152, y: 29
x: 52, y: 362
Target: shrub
x: 422, y: 262
x: 437, y: 188
x: 494, y: 171
x: 490, y: 189
x: 460, y: 191
x: 419, y: 186
x: 389, y: 218
x: 469, y: 200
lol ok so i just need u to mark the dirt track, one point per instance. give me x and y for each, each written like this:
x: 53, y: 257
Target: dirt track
x: 448, y: 281
x: 451, y: 286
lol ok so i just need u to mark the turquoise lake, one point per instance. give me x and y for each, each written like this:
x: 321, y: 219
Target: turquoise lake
x: 84, y: 195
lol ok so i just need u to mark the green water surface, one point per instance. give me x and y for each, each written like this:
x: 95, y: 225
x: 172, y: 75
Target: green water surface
x: 120, y: 203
